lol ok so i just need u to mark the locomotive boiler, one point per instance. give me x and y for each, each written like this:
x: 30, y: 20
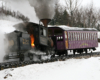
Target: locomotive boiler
x: 34, y: 37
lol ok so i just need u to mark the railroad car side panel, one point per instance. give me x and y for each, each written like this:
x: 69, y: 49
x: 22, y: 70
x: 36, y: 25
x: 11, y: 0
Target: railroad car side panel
x: 82, y: 39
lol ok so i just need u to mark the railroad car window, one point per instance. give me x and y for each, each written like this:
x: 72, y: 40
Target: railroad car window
x: 69, y: 36
x: 95, y: 36
x: 82, y: 36
x: 72, y: 36
x: 58, y: 32
x: 86, y: 36
x: 42, y: 32
x: 90, y: 36
x: 60, y: 38
x: 78, y: 36
x: 50, y: 32
x: 75, y: 36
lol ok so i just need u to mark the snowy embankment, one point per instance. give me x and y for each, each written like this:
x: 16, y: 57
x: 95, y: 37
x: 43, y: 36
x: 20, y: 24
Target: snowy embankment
x: 71, y: 69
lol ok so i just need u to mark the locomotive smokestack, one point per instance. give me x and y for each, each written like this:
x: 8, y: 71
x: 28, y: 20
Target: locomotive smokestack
x: 45, y: 21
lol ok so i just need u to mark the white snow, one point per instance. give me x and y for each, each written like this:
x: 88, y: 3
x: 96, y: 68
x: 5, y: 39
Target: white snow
x: 64, y: 27
x: 71, y: 69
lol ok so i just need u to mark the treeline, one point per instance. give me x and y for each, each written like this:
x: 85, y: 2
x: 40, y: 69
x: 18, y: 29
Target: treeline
x: 85, y: 17
x: 17, y: 15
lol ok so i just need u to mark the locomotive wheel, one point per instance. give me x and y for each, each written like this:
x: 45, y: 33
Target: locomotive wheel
x: 48, y: 52
x: 31, y: 57
x: 73, y: 52
x: 21, y: 58
x: 86, y: 51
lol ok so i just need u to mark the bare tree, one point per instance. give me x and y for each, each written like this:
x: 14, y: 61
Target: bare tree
x: 72, y: 5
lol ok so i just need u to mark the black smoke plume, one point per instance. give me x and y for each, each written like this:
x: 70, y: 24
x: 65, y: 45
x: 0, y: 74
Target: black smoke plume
x: 44, y: 8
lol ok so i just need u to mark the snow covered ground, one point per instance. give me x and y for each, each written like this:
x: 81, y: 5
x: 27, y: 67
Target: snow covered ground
x: 71, y: 69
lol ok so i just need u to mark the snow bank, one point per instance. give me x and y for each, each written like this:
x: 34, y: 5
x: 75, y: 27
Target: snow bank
x: 71, y: 69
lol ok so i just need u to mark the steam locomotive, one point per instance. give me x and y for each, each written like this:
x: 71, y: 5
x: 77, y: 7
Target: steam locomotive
x: 35, y: 37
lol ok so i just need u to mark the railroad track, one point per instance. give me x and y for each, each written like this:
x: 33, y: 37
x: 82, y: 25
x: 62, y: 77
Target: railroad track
x: 16, y: 64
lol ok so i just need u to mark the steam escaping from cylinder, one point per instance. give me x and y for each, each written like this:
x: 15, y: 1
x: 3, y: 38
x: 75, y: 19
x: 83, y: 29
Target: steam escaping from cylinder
x: 44, y: 8
x: 2, y: 47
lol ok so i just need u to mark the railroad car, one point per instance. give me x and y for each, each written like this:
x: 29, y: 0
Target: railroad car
x: 76, y: 39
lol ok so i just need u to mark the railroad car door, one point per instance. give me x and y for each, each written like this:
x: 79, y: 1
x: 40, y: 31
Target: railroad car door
x: 59, y: 33
x: 55, y: 41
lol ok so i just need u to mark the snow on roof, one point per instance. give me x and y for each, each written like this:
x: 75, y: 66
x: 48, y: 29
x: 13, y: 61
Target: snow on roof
x: 64, y: 27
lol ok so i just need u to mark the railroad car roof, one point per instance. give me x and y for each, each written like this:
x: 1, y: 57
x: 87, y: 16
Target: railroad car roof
x: 67, y: 28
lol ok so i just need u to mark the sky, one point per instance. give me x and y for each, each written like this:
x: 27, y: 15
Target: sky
x: 95, y: 2
x: 86, y: 3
